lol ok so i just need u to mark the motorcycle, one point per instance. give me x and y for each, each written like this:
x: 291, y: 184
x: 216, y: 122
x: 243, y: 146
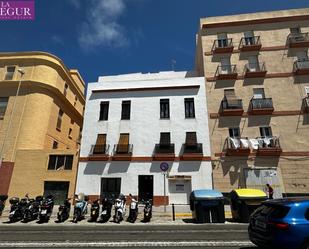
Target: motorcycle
x: 95, y: 211
x: 80, y: 210
x: 133, y: 211
x: 32, y: 209
x: 46, y: 209
x: 120, y: 207
x: 64, y: 211
x: 106, y: 213
x: 18, y: 207
x: 148, y: 211
x: 3, y: 198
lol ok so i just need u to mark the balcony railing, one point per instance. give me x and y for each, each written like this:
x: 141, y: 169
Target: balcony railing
x: 223, y: 46
x: 268, y: 143
x: 253, y: 70
x: 226, y: 72
x: 301, y: 67
x: 164, y: 149
x: 298, y: 40
x: 99, y: 149
x: 250, y: 43
x: 306, y: 104
x: 232, y: 107
x: 261, y: 106
x: 193, y: 148
x: 237, y: 146
x: 123, y: 149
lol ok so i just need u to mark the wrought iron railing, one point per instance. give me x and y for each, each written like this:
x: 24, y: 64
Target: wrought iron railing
x: 193, y: 148
x: 123, y: 149
x: 268, y: 142
x: 237, y: 143
x: 222, y: 43
x: 262, y: 103
x: 298, y: 37
x: 226, y: 70
x: 164, y: 149
x: 255, y: 67
x: 306, y: 102
x: 99, y: 149
x: 231, y: 104
x: 299, y: 65
x: 249, y: 41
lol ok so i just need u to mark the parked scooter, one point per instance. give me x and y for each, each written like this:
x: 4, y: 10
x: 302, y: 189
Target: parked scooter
x: 3, y: 198
x: 80, y: 208
x: 32, y: 209
x: 17, y: 210
x: 46, y: 209
x: 107, y: 205
x: 120, y: 207
x: 133, y: 210
x: 148, y: 211
x: 94, y: 211
x: 64, y: 211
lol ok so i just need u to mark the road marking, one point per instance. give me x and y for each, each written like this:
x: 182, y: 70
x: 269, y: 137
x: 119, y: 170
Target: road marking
x: 77, y: 244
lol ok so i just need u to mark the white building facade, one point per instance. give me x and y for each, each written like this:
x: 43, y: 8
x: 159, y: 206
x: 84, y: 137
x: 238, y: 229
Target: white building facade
x: 138, y: 125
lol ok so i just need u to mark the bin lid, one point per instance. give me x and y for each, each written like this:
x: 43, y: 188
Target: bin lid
x: 250, y: 193
x: 206, y: 194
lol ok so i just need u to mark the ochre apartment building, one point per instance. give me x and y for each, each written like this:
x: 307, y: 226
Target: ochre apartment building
x: 41, y: 115
x: 256, y: 72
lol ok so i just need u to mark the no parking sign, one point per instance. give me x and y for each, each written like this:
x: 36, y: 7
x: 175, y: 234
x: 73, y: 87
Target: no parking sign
x: 164, y: 166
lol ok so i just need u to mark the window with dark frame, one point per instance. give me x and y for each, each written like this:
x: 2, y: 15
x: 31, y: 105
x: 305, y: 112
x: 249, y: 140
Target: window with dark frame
x: 234, y: 132
x: 10, y: 70
x: 3, y: 105
x: 55, y: 145
x: 126, y: 109
x: 60, y: 162
x: 164, y: 108
x: 104, y: 106
x: 70, y: 133
x: 266, y: 131
x: 189, y: 108
x: 59, y: 120
x: 65, y: 91
x: 191, y: 139
x: 165, y: 138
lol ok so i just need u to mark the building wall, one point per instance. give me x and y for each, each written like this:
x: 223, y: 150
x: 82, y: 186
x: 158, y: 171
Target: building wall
x: 286, y: 90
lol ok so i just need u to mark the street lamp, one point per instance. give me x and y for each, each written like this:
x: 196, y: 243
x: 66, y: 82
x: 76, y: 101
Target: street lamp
x: 22, y: 72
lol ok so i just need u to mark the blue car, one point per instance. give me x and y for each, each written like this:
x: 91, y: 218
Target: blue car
x: 281, y: 223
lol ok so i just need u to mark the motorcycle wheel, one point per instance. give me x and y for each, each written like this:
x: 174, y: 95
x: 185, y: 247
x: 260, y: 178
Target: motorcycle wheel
x: 77, y: 216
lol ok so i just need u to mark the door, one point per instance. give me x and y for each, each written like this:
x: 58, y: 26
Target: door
x: 253, y: 63
x: 225, y: 65
x: 258, y: 93
x: 145, y: 187
x: 180, y: 191
x: 249, y: 38
x: 222, y: 40
x: 59, y: 190
x: 110, y: 187
x: 258, y: 178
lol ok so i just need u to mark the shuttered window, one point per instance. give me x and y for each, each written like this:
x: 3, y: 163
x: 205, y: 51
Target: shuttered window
x: 104, y: 110
x: 164, y: 108
x: 189, y: 108
x: 165, y: 138
x: 59, y: 121
x: 191, y: 138
x: 100, y: 145
x: 123, y: 144
x: 126, y: 109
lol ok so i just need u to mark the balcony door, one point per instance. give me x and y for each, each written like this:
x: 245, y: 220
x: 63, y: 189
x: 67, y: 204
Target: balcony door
x: 253, y: 63
x: 100, y: 145
x: 249, y: 38
x: 258, y: 93
x: 226, y: 65
x: 222, y: 40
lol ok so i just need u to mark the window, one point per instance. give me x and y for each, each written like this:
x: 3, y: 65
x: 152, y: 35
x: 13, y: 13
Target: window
x: 164, y: 108
x: 59, y: 162
x: 295, y: 30
x: 266, y: 132
x: 234, y: 132
x: 258, y: 93
x: 249, y: 38
x: 226, y: 67
x: 104, y: 110
x: 222, y: 40
x: 123, y: 143
x: 59, y: 121
x: 189, y: 108
x: 70, y: 133
x: 3, y: 104
x: 75, y: 100
x: 191, y: 138
x: 55, y: 145
x: 65, y: 91
x: 253, y: 63
x: 165, y: 138
x: 302, y: 56
x: 126, y: 108
x: 10, y: 70
x: 100, y: 145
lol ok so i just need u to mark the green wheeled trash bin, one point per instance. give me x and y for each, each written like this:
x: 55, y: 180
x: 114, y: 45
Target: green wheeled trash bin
x: 244, y: 202
x: 207, y: 206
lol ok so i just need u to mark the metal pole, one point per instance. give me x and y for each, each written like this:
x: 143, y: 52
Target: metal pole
x: 173, y: 210
x: 164, y: 178
x: 11, y: 116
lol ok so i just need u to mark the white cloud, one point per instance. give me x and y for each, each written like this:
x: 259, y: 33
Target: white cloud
x: 101, y: 27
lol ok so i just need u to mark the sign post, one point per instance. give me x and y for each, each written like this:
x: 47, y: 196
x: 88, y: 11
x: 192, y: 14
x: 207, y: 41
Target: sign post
x: 164, y: 167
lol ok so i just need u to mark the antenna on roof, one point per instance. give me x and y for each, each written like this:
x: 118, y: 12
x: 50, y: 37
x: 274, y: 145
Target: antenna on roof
x: 173, y: 62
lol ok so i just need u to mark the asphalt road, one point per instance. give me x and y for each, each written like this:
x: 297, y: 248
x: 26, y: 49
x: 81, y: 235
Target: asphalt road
x: 227, y: 236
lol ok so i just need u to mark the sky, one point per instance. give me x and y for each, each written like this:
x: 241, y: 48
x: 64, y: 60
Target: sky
x: 109, y: 37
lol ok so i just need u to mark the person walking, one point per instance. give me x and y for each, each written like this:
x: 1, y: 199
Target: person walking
x: 270, y: 191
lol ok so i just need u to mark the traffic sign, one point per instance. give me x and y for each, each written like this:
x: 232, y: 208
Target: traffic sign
x: 164, y: 166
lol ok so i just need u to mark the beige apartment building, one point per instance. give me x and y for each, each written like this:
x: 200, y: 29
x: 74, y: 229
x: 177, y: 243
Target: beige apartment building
x: 41, y: 116
x: 256, y: 71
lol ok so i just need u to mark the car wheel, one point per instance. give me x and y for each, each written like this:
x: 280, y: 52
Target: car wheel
x: 305, y: 245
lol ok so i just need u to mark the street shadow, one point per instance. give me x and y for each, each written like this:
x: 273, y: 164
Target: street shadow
x: 189, y: 166
x: 118, y: 167
x: 191, y: 221
x: 229, y: 122
x: 94, y: 168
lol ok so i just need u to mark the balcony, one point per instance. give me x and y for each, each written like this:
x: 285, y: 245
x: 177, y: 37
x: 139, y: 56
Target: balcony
x: 306, y: 104
x: 263, y: 106
x: 237, y: 146
x: 226, y: 72
x: 255, y: 70
x: 99, y: 152
x: 250, y: 44
x: 301, y: 67
x: 268, y: 146
x: 300, y: 40
x: 231, y: 107
x: 221, y: 46
x: 122, y: 152
x: 192, y: 152
x: 164, y: 152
